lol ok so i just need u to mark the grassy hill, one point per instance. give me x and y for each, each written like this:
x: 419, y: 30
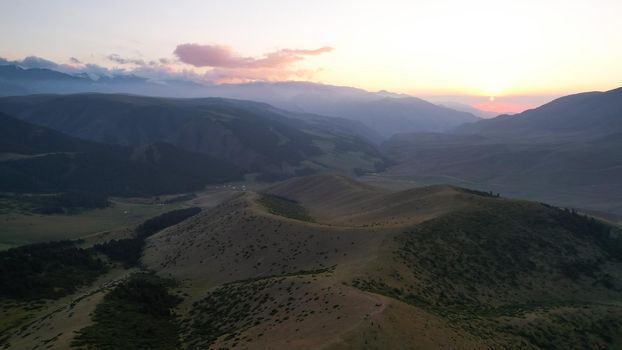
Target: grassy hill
x: 328, y: 262
x: 486, y: 272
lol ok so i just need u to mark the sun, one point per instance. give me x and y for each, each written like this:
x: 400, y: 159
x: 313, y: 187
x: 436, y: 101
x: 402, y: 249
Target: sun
x: 491, y: 99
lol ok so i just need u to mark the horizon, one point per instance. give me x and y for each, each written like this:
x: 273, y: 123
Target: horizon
x: 494, y: 56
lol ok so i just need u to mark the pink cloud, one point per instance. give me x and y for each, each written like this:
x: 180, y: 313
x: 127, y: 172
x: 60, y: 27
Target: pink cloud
x: 241, y: 75
x: 229, y: 66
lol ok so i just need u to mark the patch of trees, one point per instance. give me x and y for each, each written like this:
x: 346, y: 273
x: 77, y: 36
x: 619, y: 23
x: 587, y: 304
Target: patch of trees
x: 165, y: 220
x: 46, y: 270
x: 128, y: 251
x: 489, y: 194
x: 62, y: 203
x: 587, y: 228
x: 284, y: 207
x: 114, y: 173
x: 134, y: 315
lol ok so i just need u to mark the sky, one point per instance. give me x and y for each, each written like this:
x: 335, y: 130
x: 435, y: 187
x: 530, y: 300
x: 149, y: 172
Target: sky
x: 502, y: 56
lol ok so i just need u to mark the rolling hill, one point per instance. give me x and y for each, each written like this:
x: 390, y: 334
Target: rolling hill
x: 426, y: 268
x: 483, y: 271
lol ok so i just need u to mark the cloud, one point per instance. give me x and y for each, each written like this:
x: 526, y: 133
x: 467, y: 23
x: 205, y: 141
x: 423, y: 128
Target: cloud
x: 228, y: 66
x: 38, y: 62
x: 222, y: 63
x: 121, y: 60
x: 35, y: 62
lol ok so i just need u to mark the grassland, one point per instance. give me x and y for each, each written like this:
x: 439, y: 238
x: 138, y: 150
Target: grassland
x: 19, y: 229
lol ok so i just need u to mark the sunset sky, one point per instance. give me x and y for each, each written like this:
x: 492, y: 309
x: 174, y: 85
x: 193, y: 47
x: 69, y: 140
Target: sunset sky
x: 520, y: 52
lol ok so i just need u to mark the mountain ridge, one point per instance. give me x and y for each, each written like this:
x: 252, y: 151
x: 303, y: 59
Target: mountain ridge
x: 375, y: 109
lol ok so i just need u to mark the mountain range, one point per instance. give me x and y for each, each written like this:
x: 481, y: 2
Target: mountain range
x: 385, y: 113
x: 197, y: 140
x: 35, y: 159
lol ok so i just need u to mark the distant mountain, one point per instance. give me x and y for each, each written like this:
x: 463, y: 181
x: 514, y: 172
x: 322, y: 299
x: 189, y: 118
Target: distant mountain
x: 37, y: 159
x: 468, y: 108
x: 584, y: 114
x: 387, y: 113
x: 16, y: 74
x: 568, y: 152
x: 384, y: 112
x: 252, y: 136
x: 20, y: 137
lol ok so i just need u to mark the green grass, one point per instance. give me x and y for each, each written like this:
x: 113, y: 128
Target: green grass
x: 59, y: 203
x: 20, y: 229
x: 285, y: 207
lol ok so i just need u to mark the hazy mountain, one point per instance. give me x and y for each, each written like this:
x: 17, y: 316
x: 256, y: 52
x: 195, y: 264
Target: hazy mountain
x: 467, y: 108
x: 252, y: 136
x: 384, y: 112
x: 19, y: 137
x: 566, y: 152
x: 582, y: 115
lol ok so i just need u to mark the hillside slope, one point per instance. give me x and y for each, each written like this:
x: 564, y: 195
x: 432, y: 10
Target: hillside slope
x: 38, y: 159
x: 445, y: 267
x: 252, y: 136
